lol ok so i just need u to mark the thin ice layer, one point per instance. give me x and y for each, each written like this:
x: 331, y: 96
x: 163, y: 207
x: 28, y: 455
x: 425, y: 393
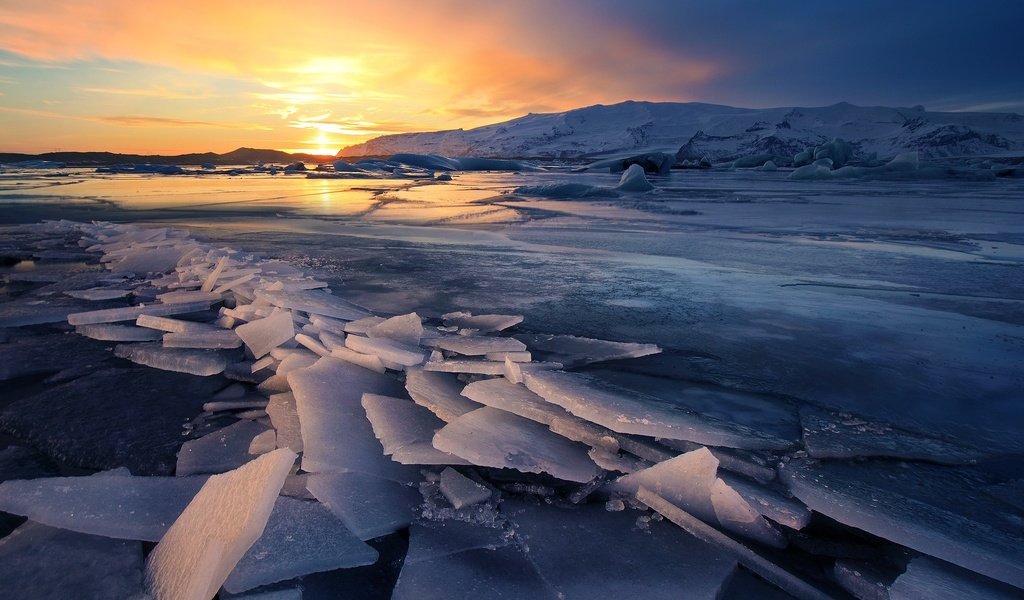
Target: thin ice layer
x: 405, y: 430
x: 42, y: 563
x: 336, y: 435
x: 131, y: 313
x: 217, y: 528
x: 219, y: 451
x: 495, y: 438
x: 574, y: 351
x: 179, y: 360
x: 439, y: 392
x: 368, y: 506
x: 300, y: 538
x: 133, y: 508
x: 627, y: 411
x: 314, y: 302
x: 482, y: 323
x: 478, y: 345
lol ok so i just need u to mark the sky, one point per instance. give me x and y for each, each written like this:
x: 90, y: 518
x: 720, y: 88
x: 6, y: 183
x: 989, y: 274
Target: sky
x: 194, y: 76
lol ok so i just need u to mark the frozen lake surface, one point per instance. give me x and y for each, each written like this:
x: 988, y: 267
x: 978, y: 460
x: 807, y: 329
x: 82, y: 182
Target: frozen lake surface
x: 881, y: 321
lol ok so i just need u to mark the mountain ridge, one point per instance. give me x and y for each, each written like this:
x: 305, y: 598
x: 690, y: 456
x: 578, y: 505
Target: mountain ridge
x: 238, y: 156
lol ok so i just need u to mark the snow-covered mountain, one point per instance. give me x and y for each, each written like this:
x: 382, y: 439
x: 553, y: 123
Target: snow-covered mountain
x: 720, y: 132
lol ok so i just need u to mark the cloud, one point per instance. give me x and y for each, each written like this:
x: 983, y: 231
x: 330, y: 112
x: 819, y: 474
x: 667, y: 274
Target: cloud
x: 147, y: 92
x: 144, y: 121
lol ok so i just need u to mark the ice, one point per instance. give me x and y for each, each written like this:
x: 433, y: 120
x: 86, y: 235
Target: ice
x: 285, y: 418
x: 517, y: 357
x: 131, y: 313
x: 691, y: 482
x: 180, y: 360
x: 439, y: 392
x: 940, y: 511
x: 588, y: 552
x: 482, y: 323
x: 574, y: 351
x: 560, y: 191
x: 188, y: 296
x: 226, y: 405
x: 220, y: 451
x: 207, y: 339
x: 211, y: 279
x: 98, y: 293
x: 386, y: 350
x: 478, y: 346
x: 360, y: 325
x: 367, y: 361
x: 41, y: 563
x: 829, y: 434
x: 173, y: 325
x: 263, y: 335
x: 627, y: 411
x: 475, y: 367
x: 217, y: 528
x: 368, y: 506
x: 263, y: 363
x: 931, y: 579
x: 770, y: 503
x: 495, y: 438
x: 315, y: 302
x: 143, y: 261
x: 118, y: 333
x: 300, y: 538
x: 863, y: 580
x: 768, y: 570
x: 332, y: 341
x: 296, y: 360
x: 461, y: 490
x: 404, y: 329
x: 634, y: 180
x: 115, y: 506
x: 312, y: 344
x: 336, y: 434
x: 406, y: 429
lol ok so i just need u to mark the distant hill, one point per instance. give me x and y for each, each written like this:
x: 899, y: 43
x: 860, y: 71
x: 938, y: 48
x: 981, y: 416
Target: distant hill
x: 241, y: 156
x: 720, y: 132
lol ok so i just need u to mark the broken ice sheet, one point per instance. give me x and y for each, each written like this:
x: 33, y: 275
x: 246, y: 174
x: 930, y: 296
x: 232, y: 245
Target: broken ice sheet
x: 221, y: 339
x: 219, y: 451
x: 478, y: 345
x: 369, y: 506
x: 263, y: 335
x: 830, y: 434
x: 336, y: 435
x: 180, y: 360
x: 461, y: 490
x: 937, y: 510
x: 118, y: 333
x: 482, y: 323
x: 301, y: 537
x: 573, y: 351
x: 495, y: 438
x: 285, y: 418
x: 42, y: 563
x: 217, y: 528
x: 131, y: 313
x: 98, y: 293
x: 315, y: 302
x: 406, y: 429
x: 387, y: 350
x: 133, y: 508
x: 617, y: 560
x: 628, y: 411
x: 439, y: 392
x: 404, y: 329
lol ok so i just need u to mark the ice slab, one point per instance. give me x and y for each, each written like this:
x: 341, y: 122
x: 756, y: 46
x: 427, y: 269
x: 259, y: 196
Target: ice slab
x: 207, y: 339
x: 478, y: 345
x: 574, y: 351
x: 188, y: 296
x: 367, y: 361
x: 439, y: 392
x: 118, y: 333
x: 931, y: 579
x: 404, y: 329
x: 336, y: 435
x: 133, y: 508
x: 461, y: 490
x: 300, y: 538
x: 495, y: 438
x: 405, y: 430
x: 830, y: 434
x: 627, y: 411
x: 172, y: 325
x: 179, y: 360
x: 769, y: 502
x: 131, y: 313
x: 263, y: 443
x: 386, y: 350
x: 263, y: 335
x: 314, y: 302
x: 219, y: 451
x: 217, y: 528
x: 482, y: 323
x: 42, y: 563
x: 148, y: 260
x: 368, y: 506
x: 588, y: 552
x: 96, y: 294
x: 285, y: 418
x: 111, y: 418
x: 473, y: 367
x: 361, y: 326
x: 940, y: 511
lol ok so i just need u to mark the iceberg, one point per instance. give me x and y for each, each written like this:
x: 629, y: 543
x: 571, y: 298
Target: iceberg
x: 634, y: 180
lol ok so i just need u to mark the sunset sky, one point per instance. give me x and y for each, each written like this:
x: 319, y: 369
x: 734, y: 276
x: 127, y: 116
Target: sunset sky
x: 128, y: 76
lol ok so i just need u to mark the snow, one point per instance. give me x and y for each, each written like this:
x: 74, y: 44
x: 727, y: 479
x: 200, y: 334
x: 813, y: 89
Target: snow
x: 494, y: 438
x: 198, y: 553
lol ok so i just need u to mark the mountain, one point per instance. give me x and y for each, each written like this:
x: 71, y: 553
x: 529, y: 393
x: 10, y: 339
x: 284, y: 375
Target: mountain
x: 693, y: 130
x: 241, y: 156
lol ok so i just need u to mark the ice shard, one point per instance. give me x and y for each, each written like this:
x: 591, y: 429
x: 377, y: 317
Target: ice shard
x: 405, y: 430
x: 369, y: 506
x: 263, y: 335
x: 439, y: 392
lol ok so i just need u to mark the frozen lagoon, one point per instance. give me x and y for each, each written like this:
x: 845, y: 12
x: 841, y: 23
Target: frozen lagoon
x: 878, y: 319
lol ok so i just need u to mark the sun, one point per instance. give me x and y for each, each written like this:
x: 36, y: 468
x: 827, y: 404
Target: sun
x: 323, y: 145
